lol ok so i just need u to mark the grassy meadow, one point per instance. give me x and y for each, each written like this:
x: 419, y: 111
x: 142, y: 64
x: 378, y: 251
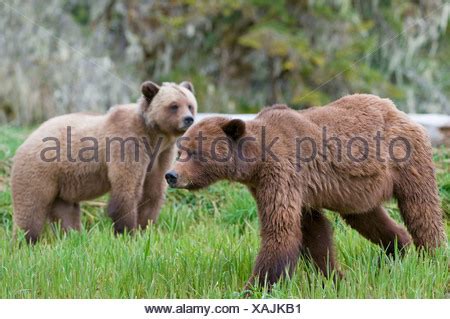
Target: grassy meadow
x: 204, y: 246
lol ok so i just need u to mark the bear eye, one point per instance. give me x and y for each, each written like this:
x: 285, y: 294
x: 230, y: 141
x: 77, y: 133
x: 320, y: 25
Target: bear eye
x: 173, y: 108
x: 191, y: 108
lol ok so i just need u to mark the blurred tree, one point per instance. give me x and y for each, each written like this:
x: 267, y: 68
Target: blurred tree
x: 240, y: 54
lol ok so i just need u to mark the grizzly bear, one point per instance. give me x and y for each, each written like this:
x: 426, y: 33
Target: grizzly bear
x: 80, y: 156
x: 349, y: 156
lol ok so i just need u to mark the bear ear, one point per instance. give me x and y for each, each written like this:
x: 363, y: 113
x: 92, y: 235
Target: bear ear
x: 188, y: 85
x: 234, y: 128
x: 149, y: 90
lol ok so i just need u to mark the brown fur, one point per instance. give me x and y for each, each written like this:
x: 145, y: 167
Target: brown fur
x: 53, y: 190
x: 290, y: 194
x: 317, y: 242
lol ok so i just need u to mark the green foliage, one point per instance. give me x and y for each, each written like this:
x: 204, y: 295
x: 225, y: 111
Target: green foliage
x: 204, y: 246
x: 241, y: 55
x: 80, y: 10
x: 442, y: 158
x: 240, y: 209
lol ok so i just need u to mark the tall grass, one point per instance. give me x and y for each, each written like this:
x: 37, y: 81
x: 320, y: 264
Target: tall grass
x: 204, y: 246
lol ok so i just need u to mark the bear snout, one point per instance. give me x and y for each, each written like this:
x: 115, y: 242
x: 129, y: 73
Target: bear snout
x: 187, y: 121
x: 171, y: 178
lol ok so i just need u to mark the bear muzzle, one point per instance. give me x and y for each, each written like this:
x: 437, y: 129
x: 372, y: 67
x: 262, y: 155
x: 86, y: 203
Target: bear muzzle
x: 186, y: 122
x: 171, y: 178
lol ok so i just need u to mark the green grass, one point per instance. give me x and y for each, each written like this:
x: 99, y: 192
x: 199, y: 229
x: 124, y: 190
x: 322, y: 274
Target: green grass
x: 204, y: 246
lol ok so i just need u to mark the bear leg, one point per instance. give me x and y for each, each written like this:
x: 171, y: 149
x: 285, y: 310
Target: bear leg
x: 127, y: 181
x: 32, y: 204
x: 154, y: 189
x: 152, y: 198
x: 424, y: 221
x: 122, y: 211
x: 30, y: 219
x: 419, y: 204
x: 279, y: 251
x: 378, y: 227
x: 149, y: 208
x: 318, y: 242
x: 68, y: 214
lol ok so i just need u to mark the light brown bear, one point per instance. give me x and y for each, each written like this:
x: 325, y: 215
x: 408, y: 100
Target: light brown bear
x: 80, y: 156
x: 349, y: 156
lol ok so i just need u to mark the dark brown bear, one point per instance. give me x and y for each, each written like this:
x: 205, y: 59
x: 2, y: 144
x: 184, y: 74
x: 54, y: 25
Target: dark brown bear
x: 349, y: 156
x: 81, y: 156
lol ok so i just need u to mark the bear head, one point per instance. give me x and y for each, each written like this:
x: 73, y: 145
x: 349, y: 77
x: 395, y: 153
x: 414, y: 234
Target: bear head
x: 169, y: 108
x: 214, y: 149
